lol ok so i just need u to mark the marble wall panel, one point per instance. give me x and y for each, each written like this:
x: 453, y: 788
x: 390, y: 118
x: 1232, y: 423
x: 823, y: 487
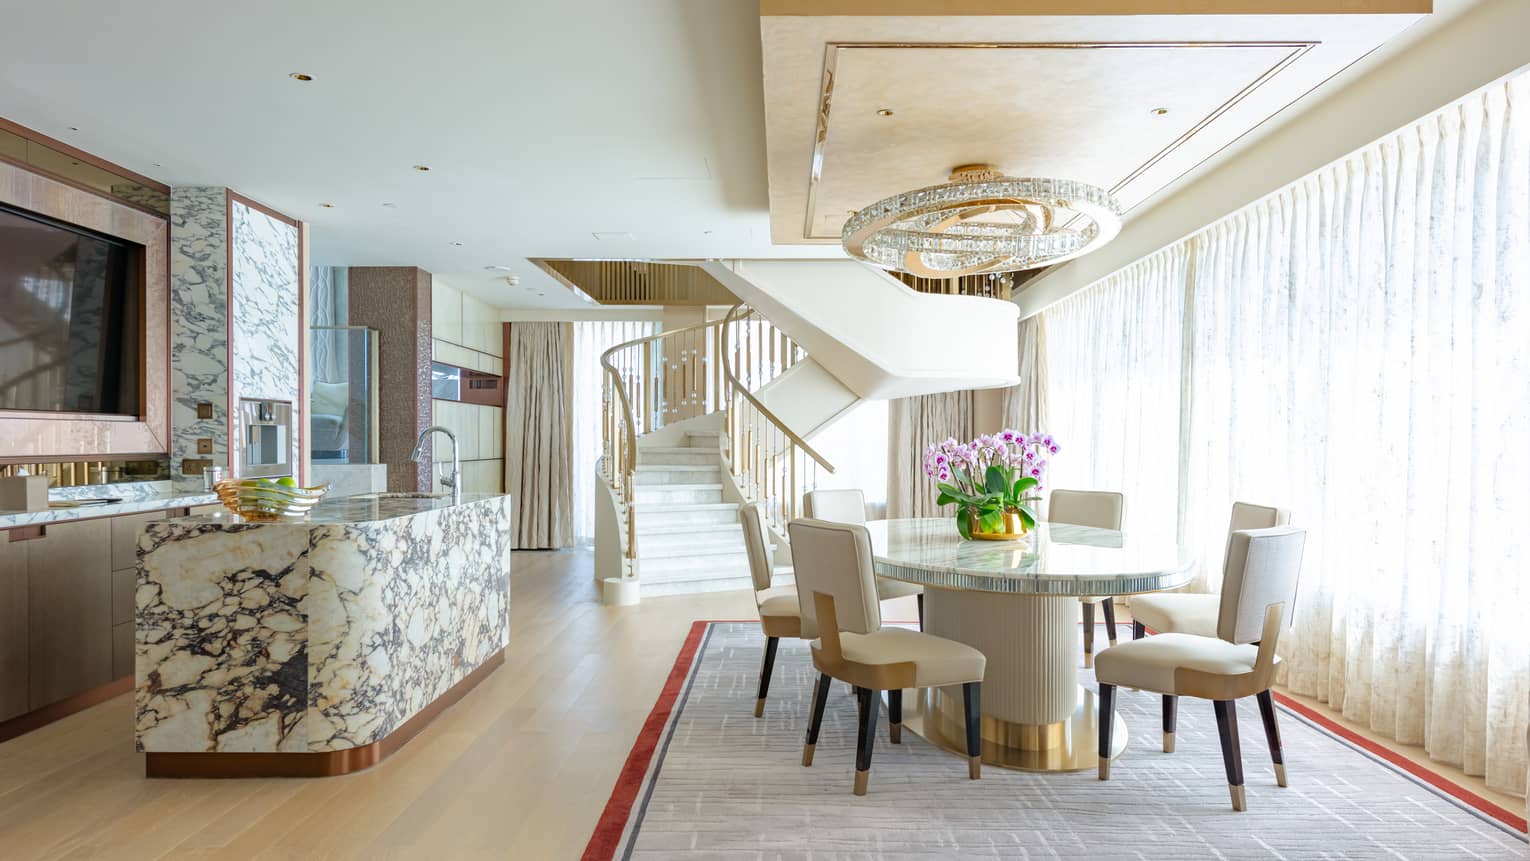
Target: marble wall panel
x: 265, y: 322
x: 199, y: 325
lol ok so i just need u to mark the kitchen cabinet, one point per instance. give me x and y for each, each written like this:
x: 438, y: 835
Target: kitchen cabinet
x: 13, y: 627
x: 69, y: 618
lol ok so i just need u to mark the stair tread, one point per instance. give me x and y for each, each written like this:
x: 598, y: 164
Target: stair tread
x: 684, y: 506
x: 677, y: 467
x: 670, y: 487
x: 691, y: 529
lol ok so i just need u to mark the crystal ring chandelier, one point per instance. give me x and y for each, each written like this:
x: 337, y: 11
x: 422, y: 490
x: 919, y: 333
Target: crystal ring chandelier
x: 983, y: 221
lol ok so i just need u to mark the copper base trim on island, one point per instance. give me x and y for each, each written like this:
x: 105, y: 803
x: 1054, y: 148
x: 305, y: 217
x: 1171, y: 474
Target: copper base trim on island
x: 321, y: 764
x: 39, y: 718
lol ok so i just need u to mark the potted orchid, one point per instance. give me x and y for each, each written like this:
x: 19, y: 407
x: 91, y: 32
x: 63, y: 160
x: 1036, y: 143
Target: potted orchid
x: 992, y: 481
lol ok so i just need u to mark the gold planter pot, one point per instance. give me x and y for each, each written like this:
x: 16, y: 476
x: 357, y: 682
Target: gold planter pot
x: 1012, y: 528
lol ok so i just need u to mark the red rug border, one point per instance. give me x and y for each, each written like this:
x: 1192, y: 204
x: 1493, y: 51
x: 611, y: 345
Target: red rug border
x: 618, y: 810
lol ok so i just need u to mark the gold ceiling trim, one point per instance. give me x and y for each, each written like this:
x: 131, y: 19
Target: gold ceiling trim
x: 831, y: 60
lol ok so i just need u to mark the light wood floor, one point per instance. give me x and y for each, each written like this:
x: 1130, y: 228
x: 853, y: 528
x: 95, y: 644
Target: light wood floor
x: 521, y: 768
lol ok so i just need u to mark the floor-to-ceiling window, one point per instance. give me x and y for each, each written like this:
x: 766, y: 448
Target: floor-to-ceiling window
x: 591, y: 338
x: 1355, y: 347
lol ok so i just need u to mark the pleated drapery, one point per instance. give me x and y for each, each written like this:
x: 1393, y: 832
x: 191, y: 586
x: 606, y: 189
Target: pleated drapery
x: 1024, y: 406
x: 1355, y: 347
x: 914, y: 423
x: 538, y: 468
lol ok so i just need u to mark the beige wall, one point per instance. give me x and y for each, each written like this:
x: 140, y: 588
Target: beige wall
x: 1424, y: 69
x: 480, y: 434
x: 466, y: 332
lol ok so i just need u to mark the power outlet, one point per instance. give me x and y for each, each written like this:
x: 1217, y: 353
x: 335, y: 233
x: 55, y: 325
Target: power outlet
x: 204, y: 411
x: 204, y: 446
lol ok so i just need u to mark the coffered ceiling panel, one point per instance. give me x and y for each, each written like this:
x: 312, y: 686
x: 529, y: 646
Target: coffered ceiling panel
x: 862, y: 107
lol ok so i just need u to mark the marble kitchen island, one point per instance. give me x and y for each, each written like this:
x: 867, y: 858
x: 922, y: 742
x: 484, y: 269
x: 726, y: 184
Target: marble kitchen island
x: 317, y: 646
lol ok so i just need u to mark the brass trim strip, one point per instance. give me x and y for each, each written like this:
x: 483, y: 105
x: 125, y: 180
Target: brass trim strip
x: 733, y: 382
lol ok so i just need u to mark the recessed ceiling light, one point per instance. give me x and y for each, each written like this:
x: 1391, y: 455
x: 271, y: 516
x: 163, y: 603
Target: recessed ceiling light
x: 390, y: 206
x: 706, y: 233
x: 157, y: 164
x: 884, y: 112
x: 299, y: 76
x: 327, y: 205
x: 74, y: 128
x: 422, y: 167
x: 497, y: 268
x: 456, y: 244
x: 1158, y: 112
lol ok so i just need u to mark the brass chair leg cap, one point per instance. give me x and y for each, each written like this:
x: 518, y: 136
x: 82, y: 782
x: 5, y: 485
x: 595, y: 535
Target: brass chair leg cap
x: 759, y: 707
x: 895, y: 733
x: 861, y: 779
x: 1280, y: 774
x: 975, y: 767
x: 807, y: 754
x: 1104, y: 768
x: 1239, y: 800
x: 1168, y: 742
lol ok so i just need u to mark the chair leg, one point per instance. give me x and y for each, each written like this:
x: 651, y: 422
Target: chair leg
x: 1232, y: 756
x: 769, y: 664
x: 1088, y: 633
x: 972, y: 709
x: 1272, y: 735
x: 920, y: 600
x: 1138, y: 630
x: 820, y: 699
x: 895, y: 716
x: 1109, y: 606
x: 1107, y: 723
x: 1170, y: 711
x: 865, y: 738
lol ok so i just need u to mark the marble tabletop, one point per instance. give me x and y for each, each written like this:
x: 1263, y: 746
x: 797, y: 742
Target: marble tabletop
x: 1054, y: 559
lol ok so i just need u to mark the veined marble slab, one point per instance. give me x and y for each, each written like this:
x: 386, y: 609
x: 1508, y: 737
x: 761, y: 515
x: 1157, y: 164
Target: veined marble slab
x: 315, y: 635
x: 1053, y: 559
x: 137, y: 497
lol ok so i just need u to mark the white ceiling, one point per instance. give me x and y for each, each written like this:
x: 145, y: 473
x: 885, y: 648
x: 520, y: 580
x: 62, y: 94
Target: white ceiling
x: 603, y: 128
x: 544, y: 123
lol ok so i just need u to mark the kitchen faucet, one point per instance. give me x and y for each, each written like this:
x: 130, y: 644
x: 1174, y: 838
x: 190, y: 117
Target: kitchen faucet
x: 455, y: 480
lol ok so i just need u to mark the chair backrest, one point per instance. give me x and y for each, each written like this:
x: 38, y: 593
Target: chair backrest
x: 1098, y: 508
x: 1262, y: 569
x: 837, y: 506
x: 756, y: 545
x: 835, y: 559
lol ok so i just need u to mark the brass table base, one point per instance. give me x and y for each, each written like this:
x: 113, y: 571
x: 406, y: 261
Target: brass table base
x: 1070, y: 745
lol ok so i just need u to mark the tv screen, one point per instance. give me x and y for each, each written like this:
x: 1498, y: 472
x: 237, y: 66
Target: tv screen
x: 71, y: 305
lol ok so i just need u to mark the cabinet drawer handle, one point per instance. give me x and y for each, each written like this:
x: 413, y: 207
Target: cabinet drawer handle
x: 27, y: 533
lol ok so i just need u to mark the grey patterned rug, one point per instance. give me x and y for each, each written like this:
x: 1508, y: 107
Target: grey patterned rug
x: 721, y: 784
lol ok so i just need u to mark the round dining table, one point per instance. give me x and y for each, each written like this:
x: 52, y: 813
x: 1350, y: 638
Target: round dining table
x: 1018, y: 603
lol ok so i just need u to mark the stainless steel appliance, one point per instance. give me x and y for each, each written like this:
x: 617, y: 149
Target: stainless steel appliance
x: 265, y: 438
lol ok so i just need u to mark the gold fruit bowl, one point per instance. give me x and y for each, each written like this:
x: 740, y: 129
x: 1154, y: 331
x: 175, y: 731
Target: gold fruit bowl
x: 260, y: 499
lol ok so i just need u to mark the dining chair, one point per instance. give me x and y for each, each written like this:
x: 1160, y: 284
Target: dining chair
x: 1192, y: 613
x: 1258, y: 596
x: 849, y: 506
x: 836, y: 585
x: 777, y: 605
x: 1102, y: 510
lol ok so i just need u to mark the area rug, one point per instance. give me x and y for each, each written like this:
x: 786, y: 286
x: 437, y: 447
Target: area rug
x: 708, y: 780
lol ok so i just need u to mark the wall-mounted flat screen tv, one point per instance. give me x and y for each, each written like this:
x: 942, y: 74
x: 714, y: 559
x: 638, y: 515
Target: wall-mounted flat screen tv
x: 71, y: 318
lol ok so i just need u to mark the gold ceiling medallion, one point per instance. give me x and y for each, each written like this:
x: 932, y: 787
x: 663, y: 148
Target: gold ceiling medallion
x: 983, y: 221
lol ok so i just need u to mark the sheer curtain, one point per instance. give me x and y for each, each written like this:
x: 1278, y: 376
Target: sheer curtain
x: 591, y: 338
x: 1355, y: 347
x: 1114, y: 359
x: 537, y: 430
x: 914, y: 423
x: 1025, y: 405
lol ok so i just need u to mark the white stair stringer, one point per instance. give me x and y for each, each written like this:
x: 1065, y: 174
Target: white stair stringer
x: 806, y: 398
x: 874, y: 335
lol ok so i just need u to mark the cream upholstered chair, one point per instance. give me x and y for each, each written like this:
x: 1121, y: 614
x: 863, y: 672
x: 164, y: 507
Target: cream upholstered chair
x: 849, y: 506
x: 1102, y: 510
x: 1190, y: 613
x: 779, y: 616
x: 1258, y: 596
x: 840, y: 612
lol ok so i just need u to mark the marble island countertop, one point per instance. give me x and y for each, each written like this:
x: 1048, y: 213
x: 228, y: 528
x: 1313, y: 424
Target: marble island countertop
x: 317, y: 637
x: 340, y: 510
x: 137, y: 498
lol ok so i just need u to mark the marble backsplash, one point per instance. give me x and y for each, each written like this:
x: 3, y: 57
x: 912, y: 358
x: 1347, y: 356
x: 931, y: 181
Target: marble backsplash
x: 199, y: 326
x: 265, y: 323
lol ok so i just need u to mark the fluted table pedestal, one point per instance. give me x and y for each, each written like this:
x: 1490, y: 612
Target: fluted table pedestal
x: 1017, y: 603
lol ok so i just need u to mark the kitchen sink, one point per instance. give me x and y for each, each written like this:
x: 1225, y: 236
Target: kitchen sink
x: 400, y: 495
